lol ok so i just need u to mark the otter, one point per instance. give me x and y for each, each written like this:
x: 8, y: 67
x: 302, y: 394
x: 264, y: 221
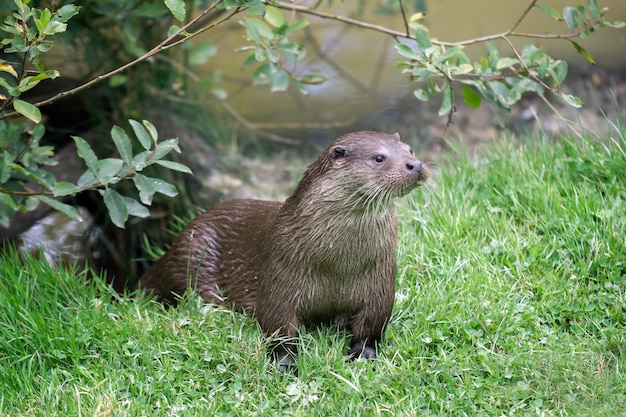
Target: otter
x: 327, y: 254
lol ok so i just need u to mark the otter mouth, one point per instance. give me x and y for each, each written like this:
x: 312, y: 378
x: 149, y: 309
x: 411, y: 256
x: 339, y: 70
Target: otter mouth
x: 415, y: 178
x: 374, y: 196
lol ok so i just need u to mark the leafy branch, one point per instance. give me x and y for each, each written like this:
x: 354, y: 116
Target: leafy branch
x: 176, y: 36
x: 500, y: 80
x: 101, y: 174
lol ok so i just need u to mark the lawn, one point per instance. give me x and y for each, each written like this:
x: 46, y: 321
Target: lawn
x: 511, y: 301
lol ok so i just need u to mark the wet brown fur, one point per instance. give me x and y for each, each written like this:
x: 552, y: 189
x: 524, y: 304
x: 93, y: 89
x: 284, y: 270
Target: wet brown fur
x: 326, y: 254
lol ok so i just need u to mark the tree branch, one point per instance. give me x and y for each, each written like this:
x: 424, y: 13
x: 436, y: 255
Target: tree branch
x: 398, y: 34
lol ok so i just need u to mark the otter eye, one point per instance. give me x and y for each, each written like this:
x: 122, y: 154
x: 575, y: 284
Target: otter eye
x: 379, y: 158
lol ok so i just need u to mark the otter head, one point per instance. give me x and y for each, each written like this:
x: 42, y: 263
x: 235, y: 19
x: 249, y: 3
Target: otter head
x: 360, y: 170
x: 375, y: 167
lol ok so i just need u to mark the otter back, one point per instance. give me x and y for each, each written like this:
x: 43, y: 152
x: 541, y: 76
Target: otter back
x: 217, y: 254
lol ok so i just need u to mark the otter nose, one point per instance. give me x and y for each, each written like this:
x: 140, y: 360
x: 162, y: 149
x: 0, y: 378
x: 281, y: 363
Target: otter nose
x: 414, y: 166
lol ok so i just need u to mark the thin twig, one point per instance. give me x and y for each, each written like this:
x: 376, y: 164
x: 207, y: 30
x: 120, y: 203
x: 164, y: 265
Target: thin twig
x: 398, y: 34
x: 523, y: 16
x: 406, y: 23
x: 350, y: 21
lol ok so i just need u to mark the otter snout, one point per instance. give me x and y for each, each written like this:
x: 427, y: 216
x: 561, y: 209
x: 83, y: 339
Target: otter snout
x: 415, y: 166
x: 417, y: 169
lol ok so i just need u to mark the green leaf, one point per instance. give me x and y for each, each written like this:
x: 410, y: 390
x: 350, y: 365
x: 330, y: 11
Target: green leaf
x: 258, y: 30
x: 141, y: 133
x: 251, y: 60
x: 313, y: 79
x: 262, y: 75
x: 84, y: 151
x: 8, y: 69
x: 149, y: 10
x: 117, y: 80
x: 87, y: 180
x: 172, y: 30
x: 66, y: 12
x: 108, y: 168
x: 219, y: 93
x: 280, y: 81
x: 559, y: 71
x: 63, y: 188
x: 550, y: 12
x: 177, y: 8
x: 594, y: 8
x: 164, y: 148
x: 446, y: 103
x: 134, y: 208
x: 450, y: 53
x: 618, y: 24
x: 571, y: 100
x: 255, y: 7
x: 273, y: 16
x: 470, y: 97
x: 165, y: 188
x: 500, y: 91
x: 583, y: 52
x: 116, y: 206
x: 296, y: 25
x: 293, y: 51
x: 9, y: 201
x: 406, y: 51
x: 506, y: 62
x: 301, y: 88
x: 27, y: 110
x: 146, y: 188
x: 40, y: 176
x: 176, y: 166
x: 493, y: 55
x: 140, y: 161
x: 422, y: 37
x: 421, y: 94
x: 5, y: 169
x: 464, y: 69
x: 201, y: 53
x: 570, y: 15
x: 42, y: 22
x: 122, y: 143
x: 66, y: 209
x: 151, y: 130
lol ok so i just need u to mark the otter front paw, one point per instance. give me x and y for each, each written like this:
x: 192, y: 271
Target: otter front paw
x: 361, y: 350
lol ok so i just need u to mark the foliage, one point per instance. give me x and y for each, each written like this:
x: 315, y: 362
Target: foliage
x: 500, y: 80
x: 270, y: 45
x: 102, y: 174
x: 510, y: 301
x: 30, y: 31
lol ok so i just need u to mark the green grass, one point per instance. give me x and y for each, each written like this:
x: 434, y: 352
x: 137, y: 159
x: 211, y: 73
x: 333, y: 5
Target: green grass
x: 511, y: 302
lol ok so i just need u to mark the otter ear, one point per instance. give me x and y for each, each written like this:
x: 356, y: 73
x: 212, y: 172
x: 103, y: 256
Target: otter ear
x: 338, y: 152
x: 396, y: 135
